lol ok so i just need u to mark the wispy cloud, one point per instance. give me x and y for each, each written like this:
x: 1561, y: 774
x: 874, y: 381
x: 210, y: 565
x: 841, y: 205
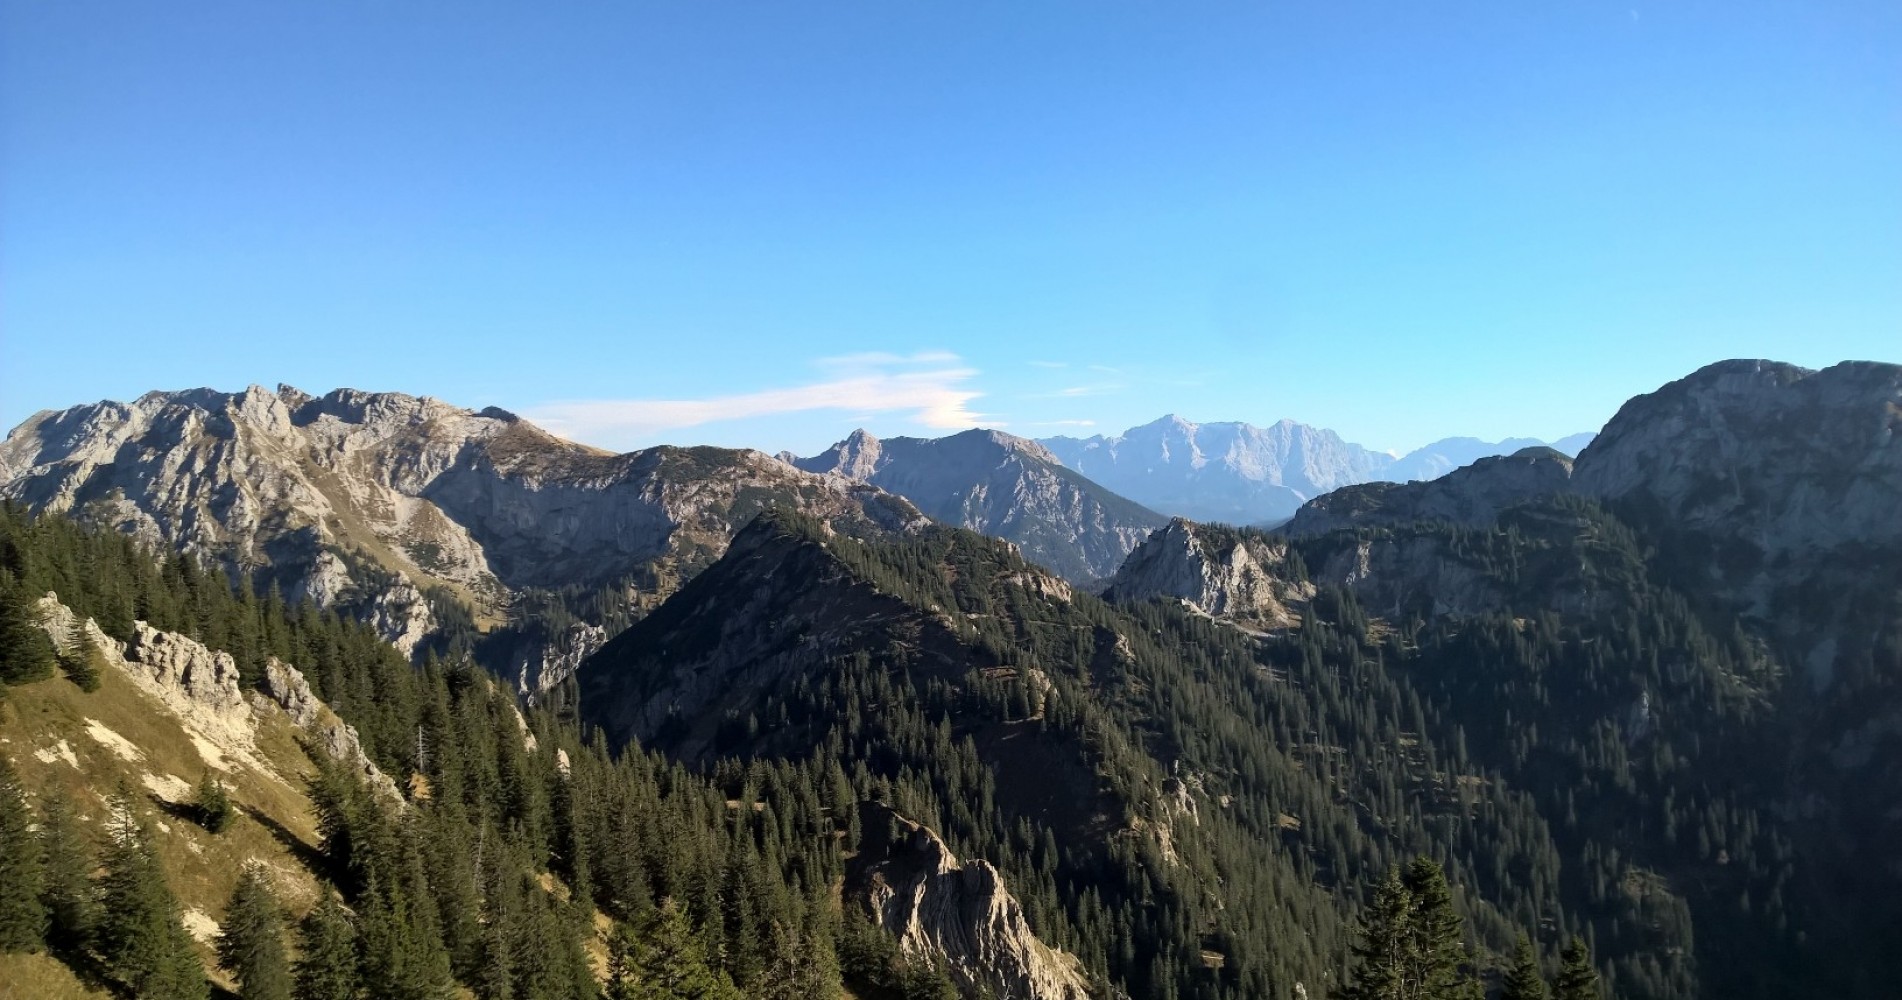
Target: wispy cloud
x: 932, y: 387
x: 1076, y: 391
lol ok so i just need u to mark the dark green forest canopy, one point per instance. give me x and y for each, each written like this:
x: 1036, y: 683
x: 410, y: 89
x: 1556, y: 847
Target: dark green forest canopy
x: 1604, y: 752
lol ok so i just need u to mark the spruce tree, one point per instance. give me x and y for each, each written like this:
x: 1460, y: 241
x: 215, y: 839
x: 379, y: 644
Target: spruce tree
x: 22, y: 918
x: 25, y: 654
x: 141, y: 939
x: 1577, y: 980
x: 669, y: 962
x: 1523, y: 978
x: 402, y: 952
x: 1385, y: 953
x: 80, y: 658
x: 213, y: 804
x: 251, y: 941
x: 327, y: 952
x: 1439, y: 935
x: 66, y: 886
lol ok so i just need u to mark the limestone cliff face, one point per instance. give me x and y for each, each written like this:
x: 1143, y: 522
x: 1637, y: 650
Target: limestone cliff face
x: 956, y: 916
x: 1239, y: 575
x: 1004, y: 486
x: 200, y: 687
x: 307, y: 491
x: 1472, y: 496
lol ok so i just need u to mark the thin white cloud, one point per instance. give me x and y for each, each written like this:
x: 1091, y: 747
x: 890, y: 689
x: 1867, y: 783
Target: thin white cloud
x: 1075, y: 391
x: 932, y: 388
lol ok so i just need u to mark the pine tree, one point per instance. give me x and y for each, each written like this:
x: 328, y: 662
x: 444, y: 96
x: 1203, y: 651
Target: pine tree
x: 668, y: 962
x: 25, y: 655
x: 212, y: 804
x: 327, y: 952
x: 140, y: 936
x: 251, y: 941
x: 1577, y: 980
x: 22, y: 917
x: 1523, y: 978
x: 402, y: 951
x: 1439, y: 935
x: 80, y: 657
x: 1384, y: 955
x: 66, y: 881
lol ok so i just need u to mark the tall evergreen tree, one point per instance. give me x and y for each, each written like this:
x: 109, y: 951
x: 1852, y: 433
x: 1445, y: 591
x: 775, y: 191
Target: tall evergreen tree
x: 212, y: 804
x: 22, y: 917
x: 80, y: 657
x: 1384, y: 956
x: 1577, y: 980
x: 1438, y: 952
x: 25, y: 654
x: 402, y: 952
x: 1524, y: 981
x: 66, y: 887
x: 327, y: 952
x: 669, y: 963
x: 251, y: 941
x: 141, y: 938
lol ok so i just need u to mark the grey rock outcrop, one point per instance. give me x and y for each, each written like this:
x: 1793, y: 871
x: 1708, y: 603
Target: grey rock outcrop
x: 200, y: 686
x: 1239, y: 575
x: 1470, y: 496
x: 536, y: 666
x: 955, y: 916
x: 337, y: 739
x: 1004, y: 486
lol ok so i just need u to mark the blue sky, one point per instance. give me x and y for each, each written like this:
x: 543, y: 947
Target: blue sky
x: 765, y: 223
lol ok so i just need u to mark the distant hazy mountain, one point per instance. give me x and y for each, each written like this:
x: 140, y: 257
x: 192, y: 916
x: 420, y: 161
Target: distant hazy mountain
x: 1230, y: 472
x: 1241, y: 474
x: 1000, y: 485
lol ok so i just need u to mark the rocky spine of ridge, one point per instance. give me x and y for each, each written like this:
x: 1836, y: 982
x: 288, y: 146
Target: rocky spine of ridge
x: 1238, y: 575
x: 306, y: 491
x: 200, y: 686
x: 955, y: 916
x: 1470, y: 496
x: 1004, y: 486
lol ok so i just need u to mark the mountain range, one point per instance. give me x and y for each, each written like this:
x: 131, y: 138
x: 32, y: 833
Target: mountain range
x: 1237, y: 473
x: 1048, y: 742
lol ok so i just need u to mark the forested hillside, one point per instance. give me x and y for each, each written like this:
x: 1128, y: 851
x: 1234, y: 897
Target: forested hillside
x: 1198, y: 812
x: 510, y: 860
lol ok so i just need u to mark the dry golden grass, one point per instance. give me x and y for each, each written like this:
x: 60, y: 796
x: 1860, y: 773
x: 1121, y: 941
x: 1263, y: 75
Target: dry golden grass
x: 273, y: 825
x: 41, y: 977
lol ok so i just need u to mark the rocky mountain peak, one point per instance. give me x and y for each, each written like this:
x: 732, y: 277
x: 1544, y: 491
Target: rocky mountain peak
x: 1002, y: 485
x: 1780, y: 457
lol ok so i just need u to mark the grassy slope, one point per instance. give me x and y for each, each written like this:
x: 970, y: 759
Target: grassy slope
x: 48, y: 731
